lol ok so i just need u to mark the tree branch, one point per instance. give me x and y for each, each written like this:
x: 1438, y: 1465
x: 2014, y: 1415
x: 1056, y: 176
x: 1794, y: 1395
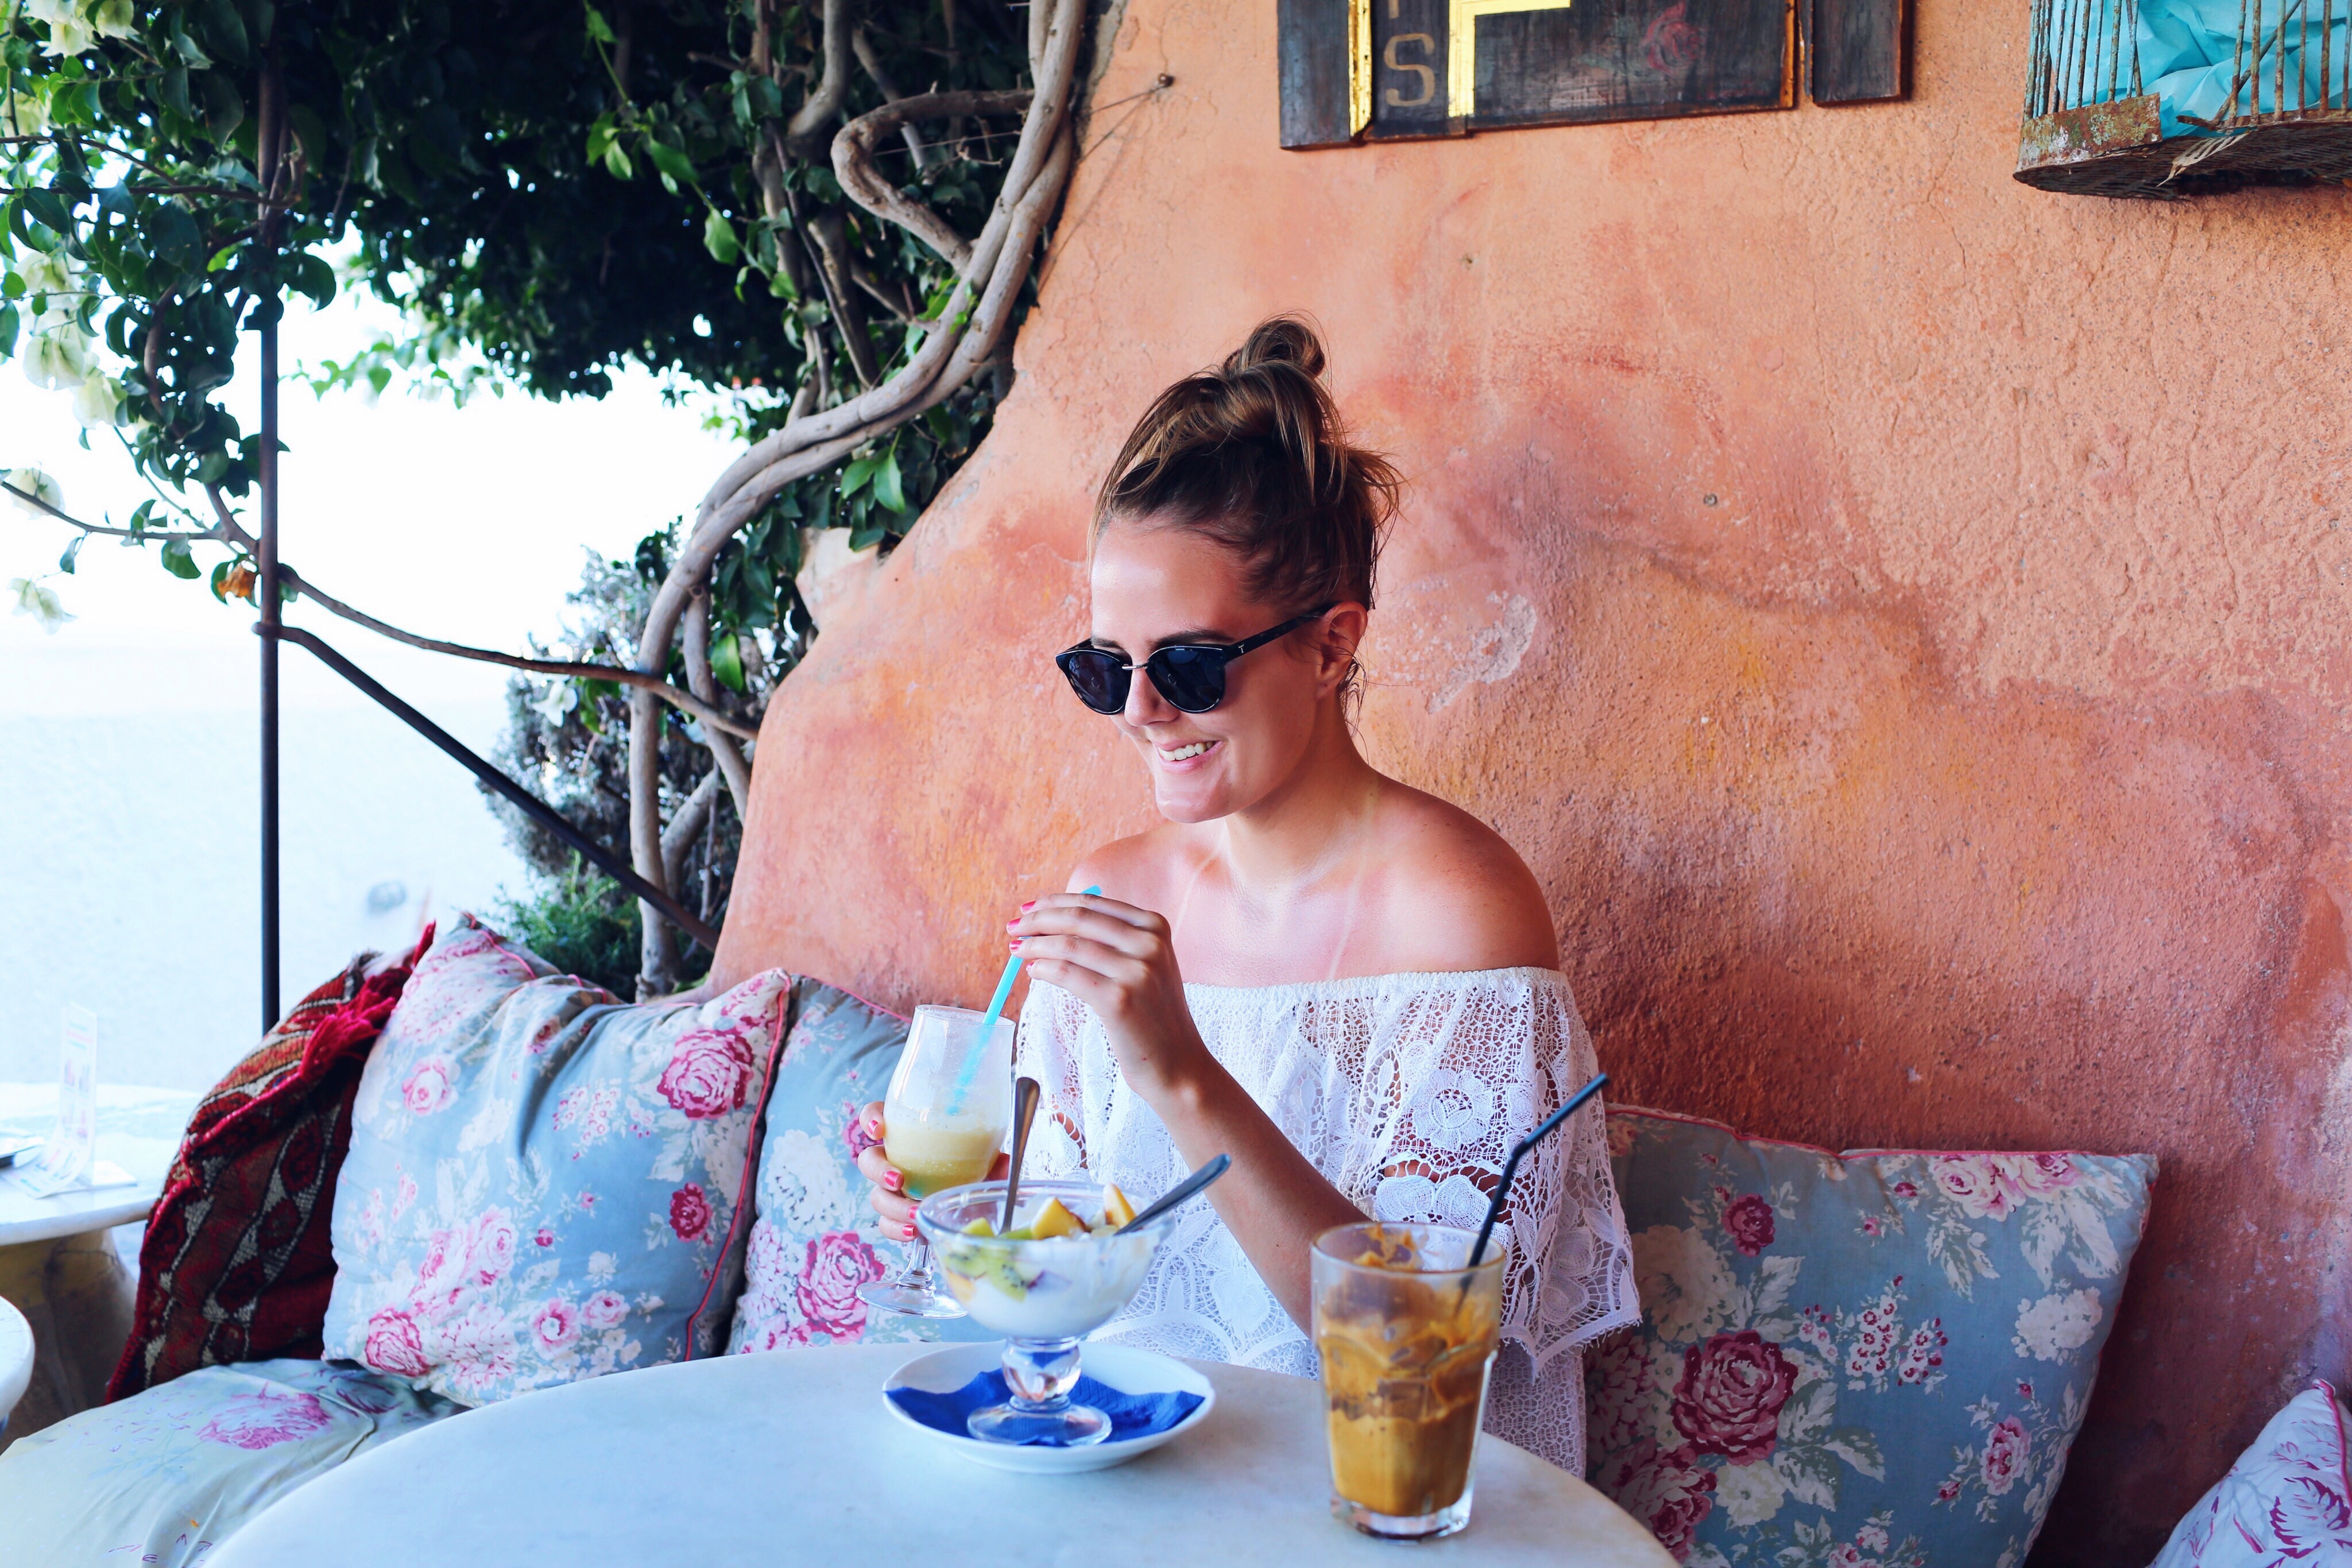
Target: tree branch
x: 852, y: 163
x: 812, y: 127
x: 866, y: 58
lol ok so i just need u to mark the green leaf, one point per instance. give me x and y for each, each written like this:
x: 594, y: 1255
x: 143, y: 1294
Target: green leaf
x: 46, y: 206
x: 66, y: 561
x: 314, y: 277
x: 600, y: 137
x: 726, y: 660
x: 220, y: 575
x: 674, y: 164
x: 178, y: 561
x: 887, y: 488
x: 223, y: 108
x: 598, y: 29
x: 617, y: 163
x: 719, y: 237
x: 854, y: 478
x: 8, y: 323
x: 222, y: 257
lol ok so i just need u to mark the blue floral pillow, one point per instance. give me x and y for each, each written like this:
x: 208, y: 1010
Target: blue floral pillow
x: 543, y: 1184
x: 813, y: 1237
x: 1877, y: 1359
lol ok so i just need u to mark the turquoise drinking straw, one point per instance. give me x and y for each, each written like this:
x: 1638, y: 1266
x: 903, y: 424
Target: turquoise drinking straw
x: 988, y: 1025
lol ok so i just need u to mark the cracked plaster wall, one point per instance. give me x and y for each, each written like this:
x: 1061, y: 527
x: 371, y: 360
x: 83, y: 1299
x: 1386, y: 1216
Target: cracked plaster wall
x: 1904, y: 618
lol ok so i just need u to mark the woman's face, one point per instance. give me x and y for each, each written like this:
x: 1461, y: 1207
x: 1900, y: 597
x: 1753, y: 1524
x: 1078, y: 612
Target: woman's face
x: 1154, y: 586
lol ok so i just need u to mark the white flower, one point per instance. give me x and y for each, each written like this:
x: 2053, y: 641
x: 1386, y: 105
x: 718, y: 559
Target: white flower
x: 2047, y: 1330
x: 34, y: 482
x: 39, y: 602
x: 801, y: 1190
x: 1686, y: 1285
x: 69, y: 33
x: 23, y: 114
x: 1750, y: 1494
x: 58, y: 357
x: 98, y: 400
x: 112, y: 18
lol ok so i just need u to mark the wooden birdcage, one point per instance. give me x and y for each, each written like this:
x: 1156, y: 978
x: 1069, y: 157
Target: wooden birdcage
x: 2162, y: 98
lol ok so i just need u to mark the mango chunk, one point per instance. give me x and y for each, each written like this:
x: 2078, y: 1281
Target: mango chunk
x: 1117, y: 1209
x: 1054, y: 1221
x: 979, y: 1227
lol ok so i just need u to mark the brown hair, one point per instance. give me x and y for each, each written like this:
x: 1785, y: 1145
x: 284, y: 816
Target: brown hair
x: 1253, y: 456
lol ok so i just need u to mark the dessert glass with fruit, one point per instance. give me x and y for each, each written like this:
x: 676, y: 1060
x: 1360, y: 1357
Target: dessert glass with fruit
x: 1060, y: 1271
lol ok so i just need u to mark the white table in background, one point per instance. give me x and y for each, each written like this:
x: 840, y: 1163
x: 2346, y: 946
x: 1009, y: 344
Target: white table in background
x: 58, y: 1263
x: 789, y: 1459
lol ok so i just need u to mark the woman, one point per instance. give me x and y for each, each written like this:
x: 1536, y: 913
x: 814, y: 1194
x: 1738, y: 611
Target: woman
x: 1347, y: 984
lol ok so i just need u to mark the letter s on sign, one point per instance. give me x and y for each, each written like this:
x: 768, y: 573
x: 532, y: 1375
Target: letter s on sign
x: 1409, y: 67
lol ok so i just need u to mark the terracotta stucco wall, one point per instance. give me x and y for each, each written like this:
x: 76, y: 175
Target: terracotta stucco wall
x: 1904, y: 618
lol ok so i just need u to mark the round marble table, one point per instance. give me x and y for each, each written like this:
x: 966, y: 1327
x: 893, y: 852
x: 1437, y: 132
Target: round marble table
x: 790, y: 1458
x: 15, y: 1360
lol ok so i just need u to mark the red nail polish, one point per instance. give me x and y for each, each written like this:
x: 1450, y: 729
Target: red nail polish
x: 1028, y: 906
x: 1017, y: 945
x: 907, y: 1234
x: 891, y: 1180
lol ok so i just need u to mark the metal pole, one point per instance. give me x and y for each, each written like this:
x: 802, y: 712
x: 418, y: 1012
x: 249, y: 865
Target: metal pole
x: 268, y: 588
x: 269, y: 148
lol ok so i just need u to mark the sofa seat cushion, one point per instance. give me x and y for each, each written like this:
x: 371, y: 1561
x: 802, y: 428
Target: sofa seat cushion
x: 814, y: 1240
x: 2288, y: 1499
x: 1880, y: 1356
x: 545, y: 1184
x: 237, y: 1264
x: 166, y: 1476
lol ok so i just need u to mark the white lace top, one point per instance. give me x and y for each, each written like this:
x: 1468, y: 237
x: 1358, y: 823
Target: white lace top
x: 1406, y: 1092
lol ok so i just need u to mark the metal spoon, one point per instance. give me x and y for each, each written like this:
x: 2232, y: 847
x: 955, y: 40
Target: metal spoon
x: 1183, y: 1191
x: 1026, y: 1095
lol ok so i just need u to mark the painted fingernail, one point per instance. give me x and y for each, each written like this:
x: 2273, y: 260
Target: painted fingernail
x: 1016, y: 944
x: 892, y: 1180
x: 1028, y: 906
x: 1010, y: 924
x: 906, y: 1233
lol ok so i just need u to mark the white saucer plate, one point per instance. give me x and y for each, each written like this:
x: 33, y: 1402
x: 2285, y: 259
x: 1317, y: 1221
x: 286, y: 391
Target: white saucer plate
x: 1123, y: 1367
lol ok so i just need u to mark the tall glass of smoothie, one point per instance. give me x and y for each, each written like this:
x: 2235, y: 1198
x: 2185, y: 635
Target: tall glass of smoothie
x: 1407, y: 1332
x: 943, y: 1120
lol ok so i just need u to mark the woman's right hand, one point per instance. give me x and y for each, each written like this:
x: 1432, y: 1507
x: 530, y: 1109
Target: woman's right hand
x: 889, y: 1196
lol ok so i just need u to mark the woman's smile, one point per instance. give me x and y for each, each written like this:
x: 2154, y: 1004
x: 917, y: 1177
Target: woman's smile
x: 1186, y: 757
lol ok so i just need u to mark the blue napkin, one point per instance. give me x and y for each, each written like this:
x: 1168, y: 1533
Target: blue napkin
x: 1131, y: 1416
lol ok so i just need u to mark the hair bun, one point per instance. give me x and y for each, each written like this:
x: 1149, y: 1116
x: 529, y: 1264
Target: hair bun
x: 1279, y: 341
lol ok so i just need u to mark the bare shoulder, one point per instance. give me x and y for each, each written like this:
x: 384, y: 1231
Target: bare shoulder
x: 1453, y: 894
x: 1137, y: 869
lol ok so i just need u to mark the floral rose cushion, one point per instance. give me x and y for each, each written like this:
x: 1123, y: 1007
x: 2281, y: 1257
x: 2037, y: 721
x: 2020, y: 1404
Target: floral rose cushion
x: 1873, y: 1358
x: 813, y: 1237
x: 166, y: 1476
x: 2288, y: 1499
x: 544, y: 1185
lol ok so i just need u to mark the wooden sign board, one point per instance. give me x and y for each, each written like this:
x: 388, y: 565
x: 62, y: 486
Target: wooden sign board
x: 1380, y: 70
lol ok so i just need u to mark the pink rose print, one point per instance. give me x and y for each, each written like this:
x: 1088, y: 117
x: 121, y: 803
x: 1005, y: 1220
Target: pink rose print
x: 1923, y: 1358
x: 542, y: 1237
x: 1728, y: 1401
x: 556, y: 1326
x: 855, y: 1135
x: 395, y: 1344
x: 1870, y: 1538
x: 1904, y: 1189
x: 1665, y: 1490
x: 1672, y: 43
x: 2004, y: 1455
x: 1873, y: 1227
x: 1975, y: 1183
x: 256, y: 1421
x: 708, y: 1072
x: 604, y: 1310
x: 428, y: 1088
x: 440, y: 1274
x: 491, y: 1251
x: 2024, y: 1389
x: 1616, y: 1378
x: 1843, y: 1556
x: 1948, y: 1491
x: 2310, y: 1520
x: 2038, y: 1176
x: 837, y: 1263
x: 1748, y: 1223
x: 689, y: 1212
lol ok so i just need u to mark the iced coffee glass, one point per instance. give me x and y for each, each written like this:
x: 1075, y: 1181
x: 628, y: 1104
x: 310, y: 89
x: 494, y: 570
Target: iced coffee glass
x: 1407, y: 1334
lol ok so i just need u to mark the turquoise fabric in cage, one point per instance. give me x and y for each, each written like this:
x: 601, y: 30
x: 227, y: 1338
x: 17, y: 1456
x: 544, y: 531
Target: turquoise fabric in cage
x: 2189, y: 56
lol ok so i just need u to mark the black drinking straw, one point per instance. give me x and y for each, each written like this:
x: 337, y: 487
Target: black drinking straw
x: 1511, y: 1166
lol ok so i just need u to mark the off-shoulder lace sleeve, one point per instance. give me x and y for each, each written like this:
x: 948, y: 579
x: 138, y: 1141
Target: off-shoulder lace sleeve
x: 1457, y: 1075
x: 1052, y: 1048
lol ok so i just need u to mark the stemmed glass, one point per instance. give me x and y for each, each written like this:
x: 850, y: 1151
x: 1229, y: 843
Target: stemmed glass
x: 943, y: 1120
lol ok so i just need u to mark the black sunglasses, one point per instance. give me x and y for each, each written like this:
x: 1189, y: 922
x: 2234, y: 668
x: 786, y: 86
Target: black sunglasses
x: 1190, y: 675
